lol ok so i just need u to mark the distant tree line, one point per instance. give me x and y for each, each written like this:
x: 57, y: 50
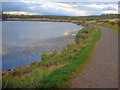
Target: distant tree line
x: 69, y: 18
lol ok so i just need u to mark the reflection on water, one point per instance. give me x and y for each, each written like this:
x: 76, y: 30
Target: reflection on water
x: 24, y: 41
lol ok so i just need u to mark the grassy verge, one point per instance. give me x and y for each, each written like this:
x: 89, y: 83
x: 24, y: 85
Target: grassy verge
x: 60, y: 76
x: 45, y: 74
x: 108, y: 25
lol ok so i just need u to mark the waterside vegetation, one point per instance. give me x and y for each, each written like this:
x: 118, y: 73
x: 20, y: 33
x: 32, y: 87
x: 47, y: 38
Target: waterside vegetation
x: 55, y: 70
x: 107, y: 20
x: 113, y: 24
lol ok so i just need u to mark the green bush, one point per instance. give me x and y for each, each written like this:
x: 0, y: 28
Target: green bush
x: 85, y: 31
x: 54, y: 53
x: 78, y: 23
x: 68, y: 46
x: 43, y: 56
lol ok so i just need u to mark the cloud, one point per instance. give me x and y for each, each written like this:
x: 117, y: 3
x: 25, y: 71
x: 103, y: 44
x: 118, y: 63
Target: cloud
x: 62, y: 8
x: 103, y: 5
x: 14, y: 6
x: 39, y: 1
x: 105, y: 8
x: 109, y: 8
x: 32, y: 7
x: 96, y: 6
x: 110, y: 12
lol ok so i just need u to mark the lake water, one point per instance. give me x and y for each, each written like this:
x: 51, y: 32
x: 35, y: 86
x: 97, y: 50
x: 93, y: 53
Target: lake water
x: 24, y: 41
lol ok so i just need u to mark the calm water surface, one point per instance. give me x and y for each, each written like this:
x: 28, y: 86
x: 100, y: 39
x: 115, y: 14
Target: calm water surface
x: 24, y: 41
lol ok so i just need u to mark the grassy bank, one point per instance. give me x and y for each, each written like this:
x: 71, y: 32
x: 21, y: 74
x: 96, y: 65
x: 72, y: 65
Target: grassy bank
x: 56, y: 69
x: 108, y: 25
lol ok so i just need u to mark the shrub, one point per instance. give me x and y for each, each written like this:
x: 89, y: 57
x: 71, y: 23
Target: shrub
x: 112, y: 23
x: 75, y: 49
x: 85, y: 31
x: 106, y: 21
x: 80, y: 36
x: 79, y: 23
x: 101, y: 21
x: 53, y: 53
x: 43, y: 56
x: 68, y: 46
x: 13, y: 73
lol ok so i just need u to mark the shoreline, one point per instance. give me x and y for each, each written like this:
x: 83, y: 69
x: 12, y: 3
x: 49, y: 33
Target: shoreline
x: 66, y: 64
x: 46, y: 20
x: 71, y: 35
x: 48, y: 51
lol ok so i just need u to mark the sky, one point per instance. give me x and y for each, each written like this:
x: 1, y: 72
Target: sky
x: 60, y: 7
x: 60, y: 0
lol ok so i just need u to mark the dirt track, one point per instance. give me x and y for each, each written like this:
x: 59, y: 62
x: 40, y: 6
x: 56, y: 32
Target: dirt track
x: 102, y: 70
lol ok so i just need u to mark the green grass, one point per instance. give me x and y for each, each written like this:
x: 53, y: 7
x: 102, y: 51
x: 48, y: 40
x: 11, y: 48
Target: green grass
x: 72, y: 60
x: 60, y: 76
x: 115, y: 27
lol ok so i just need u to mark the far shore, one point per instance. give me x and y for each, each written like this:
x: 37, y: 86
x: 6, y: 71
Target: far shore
x: 37, y: 19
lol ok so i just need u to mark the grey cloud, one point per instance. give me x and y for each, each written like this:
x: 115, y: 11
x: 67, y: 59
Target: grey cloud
x: 58, y: 10
x: 109, y: 8
x: 14, y: 6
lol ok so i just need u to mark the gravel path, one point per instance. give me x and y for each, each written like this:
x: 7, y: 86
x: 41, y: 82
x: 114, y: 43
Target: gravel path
x: 102, y: 70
